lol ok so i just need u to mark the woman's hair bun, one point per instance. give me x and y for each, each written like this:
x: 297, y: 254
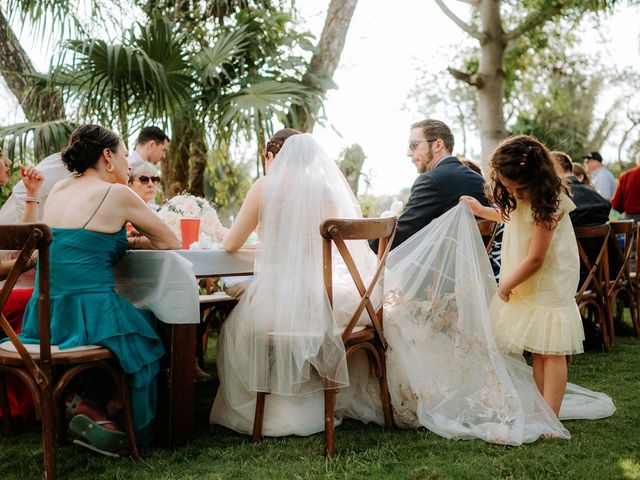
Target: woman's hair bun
x: 86, y: 145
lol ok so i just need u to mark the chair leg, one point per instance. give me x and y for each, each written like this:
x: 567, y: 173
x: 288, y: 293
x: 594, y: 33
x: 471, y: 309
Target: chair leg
x: 610, y: 320
x: 48, y: 436
x: 259, y: 417
x: 4, y: 406
x: 125, y: 401
x: 387, y: 410
x: 329, y: 427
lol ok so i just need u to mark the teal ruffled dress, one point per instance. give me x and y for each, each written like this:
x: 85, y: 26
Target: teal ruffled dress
x: 85, y: 310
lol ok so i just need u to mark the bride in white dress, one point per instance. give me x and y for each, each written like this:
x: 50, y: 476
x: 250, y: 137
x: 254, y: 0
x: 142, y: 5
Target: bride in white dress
x: 282, y: 337
x: 444, y: 369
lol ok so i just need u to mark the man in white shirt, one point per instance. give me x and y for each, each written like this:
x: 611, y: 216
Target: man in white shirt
x: 602, y: 179
x: 151, y: 146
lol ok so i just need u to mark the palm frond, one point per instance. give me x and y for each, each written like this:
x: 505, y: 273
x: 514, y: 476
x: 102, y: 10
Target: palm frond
x: 146, y: 78
x: 211, y: 61
x: 35, y: 141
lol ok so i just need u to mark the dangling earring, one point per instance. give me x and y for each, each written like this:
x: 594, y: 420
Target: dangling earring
x: 110, y: 167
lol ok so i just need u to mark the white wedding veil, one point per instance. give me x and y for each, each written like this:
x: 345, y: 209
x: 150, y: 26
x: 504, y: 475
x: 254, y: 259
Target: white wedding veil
x: 445, y: 371
x: 296, y: 346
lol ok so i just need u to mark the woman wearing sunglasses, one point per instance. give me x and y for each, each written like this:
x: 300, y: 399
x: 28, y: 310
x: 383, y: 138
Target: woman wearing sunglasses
x: 143, y: 180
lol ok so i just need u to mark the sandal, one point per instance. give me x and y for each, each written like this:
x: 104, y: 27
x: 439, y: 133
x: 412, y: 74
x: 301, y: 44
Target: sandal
x: 93, y: 432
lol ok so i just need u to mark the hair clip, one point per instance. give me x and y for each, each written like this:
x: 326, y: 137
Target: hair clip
x: 523, y: 162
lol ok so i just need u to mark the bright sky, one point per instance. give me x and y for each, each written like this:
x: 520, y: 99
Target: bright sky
x: 385, y: 45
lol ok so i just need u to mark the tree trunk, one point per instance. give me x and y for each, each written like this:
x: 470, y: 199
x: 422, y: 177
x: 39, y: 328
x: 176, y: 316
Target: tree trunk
x: 175, y: 169
x: 325, y: 61
x: 198, y: 164
x: 491, y: 124
x: 39, y: 103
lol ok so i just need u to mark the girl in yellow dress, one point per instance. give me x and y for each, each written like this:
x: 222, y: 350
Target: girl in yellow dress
x: 534, y: 308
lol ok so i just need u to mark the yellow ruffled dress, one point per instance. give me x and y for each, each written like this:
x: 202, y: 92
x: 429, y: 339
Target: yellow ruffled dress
x: 541, y: 315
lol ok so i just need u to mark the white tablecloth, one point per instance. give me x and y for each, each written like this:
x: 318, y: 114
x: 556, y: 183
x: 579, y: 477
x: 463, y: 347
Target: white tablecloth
x: 164, y: 281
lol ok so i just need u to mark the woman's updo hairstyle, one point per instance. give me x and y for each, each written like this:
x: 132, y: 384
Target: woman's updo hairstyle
x: 86, y: 145
x: 275, y: 143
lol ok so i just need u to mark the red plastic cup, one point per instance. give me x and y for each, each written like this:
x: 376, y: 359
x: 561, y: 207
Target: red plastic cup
x: 190, y: 230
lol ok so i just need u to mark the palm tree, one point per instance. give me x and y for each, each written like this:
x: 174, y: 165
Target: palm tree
x: 212, y: 83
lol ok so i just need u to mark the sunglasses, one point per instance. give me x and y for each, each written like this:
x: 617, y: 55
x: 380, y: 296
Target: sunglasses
x: 144, y: 179
x: 413, y: 145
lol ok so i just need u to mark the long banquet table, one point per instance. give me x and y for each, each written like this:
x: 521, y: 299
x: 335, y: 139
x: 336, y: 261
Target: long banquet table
x: 164, y: 281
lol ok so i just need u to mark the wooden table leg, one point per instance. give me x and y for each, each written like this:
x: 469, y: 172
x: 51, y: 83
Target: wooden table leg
x: 176, y: 388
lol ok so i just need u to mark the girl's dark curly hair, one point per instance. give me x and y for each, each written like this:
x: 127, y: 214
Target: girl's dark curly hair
x: 525, y: 160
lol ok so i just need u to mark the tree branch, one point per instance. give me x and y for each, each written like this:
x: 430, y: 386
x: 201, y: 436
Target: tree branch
x: 472, y: 31
x: 535, y: 19
x: 468, y: 78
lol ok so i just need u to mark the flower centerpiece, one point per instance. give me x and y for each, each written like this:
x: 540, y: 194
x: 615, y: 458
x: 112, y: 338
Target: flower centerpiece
x: 187, y: 206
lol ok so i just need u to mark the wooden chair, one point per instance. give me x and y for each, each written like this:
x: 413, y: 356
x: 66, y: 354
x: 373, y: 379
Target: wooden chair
x: 368, y: 338
x: 622, y: 286
x: 592, y: 293
x: 208, y: 302
x: 488, y: 230
x: 45, y: 370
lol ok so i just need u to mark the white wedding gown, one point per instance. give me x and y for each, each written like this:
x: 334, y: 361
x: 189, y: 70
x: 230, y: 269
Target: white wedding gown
x: 445, y: 372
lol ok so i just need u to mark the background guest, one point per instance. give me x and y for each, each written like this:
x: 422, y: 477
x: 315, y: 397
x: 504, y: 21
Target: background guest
x: 627, y: 197
x: 602, y: 179
x: 143, y: 179
x: 581, y: 173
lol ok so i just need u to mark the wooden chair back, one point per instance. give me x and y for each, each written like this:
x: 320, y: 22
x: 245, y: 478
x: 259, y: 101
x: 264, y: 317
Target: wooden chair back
x: 592, y: 292
x: 27, y: 238
x: 339, y: 231
x: 621, y: 284
x: 488, y: 230
x: 371, y: 340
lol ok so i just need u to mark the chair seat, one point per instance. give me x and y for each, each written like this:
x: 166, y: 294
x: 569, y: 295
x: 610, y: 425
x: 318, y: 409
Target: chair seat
x: 85, y: 353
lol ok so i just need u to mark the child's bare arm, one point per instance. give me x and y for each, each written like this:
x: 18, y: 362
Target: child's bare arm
x: 531, y: 263
x: 479, y: 210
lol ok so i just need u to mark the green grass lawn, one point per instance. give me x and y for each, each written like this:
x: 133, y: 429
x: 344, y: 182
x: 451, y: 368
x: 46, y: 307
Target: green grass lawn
x: 607, y: 448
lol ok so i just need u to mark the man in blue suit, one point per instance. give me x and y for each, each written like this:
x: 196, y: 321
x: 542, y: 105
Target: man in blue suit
x: 442, y: 179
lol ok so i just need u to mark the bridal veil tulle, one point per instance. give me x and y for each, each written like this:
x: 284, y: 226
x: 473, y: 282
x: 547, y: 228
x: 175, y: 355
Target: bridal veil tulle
x: 445, y: 371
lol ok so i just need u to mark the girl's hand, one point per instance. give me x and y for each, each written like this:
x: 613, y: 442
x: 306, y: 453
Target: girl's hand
x: 504, y: 294
x: 32, y: 179
x: 472, y: 204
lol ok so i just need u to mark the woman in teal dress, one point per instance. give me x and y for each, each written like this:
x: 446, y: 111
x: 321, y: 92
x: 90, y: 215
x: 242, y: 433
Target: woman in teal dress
x: 87, y: 214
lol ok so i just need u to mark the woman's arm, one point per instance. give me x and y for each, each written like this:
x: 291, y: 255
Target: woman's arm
x: 479, y: 210
x: 157, y: 235
x: 538, y: 248
x: 32, y: 180
x: 246, y: 221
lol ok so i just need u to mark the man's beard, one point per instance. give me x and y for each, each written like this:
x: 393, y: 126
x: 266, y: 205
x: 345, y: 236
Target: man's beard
x: 428, y: 165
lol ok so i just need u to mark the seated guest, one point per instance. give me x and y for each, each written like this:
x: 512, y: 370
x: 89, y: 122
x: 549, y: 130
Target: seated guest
x: 627, y: 197
x: 20, y: 402
x: 87, y: 213
x: 591, y: 208
x: 53, y: 170
x: 581, y: 173
x: 143, y: 180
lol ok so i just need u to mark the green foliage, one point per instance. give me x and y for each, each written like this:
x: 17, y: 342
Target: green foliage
x: 34, y: 141
x: 607, y: 448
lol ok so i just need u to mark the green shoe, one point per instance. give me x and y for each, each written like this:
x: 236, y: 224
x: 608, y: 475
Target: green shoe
x: 94, y: 433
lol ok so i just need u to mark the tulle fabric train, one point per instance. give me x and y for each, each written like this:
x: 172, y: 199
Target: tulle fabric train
x: 445, y: 371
